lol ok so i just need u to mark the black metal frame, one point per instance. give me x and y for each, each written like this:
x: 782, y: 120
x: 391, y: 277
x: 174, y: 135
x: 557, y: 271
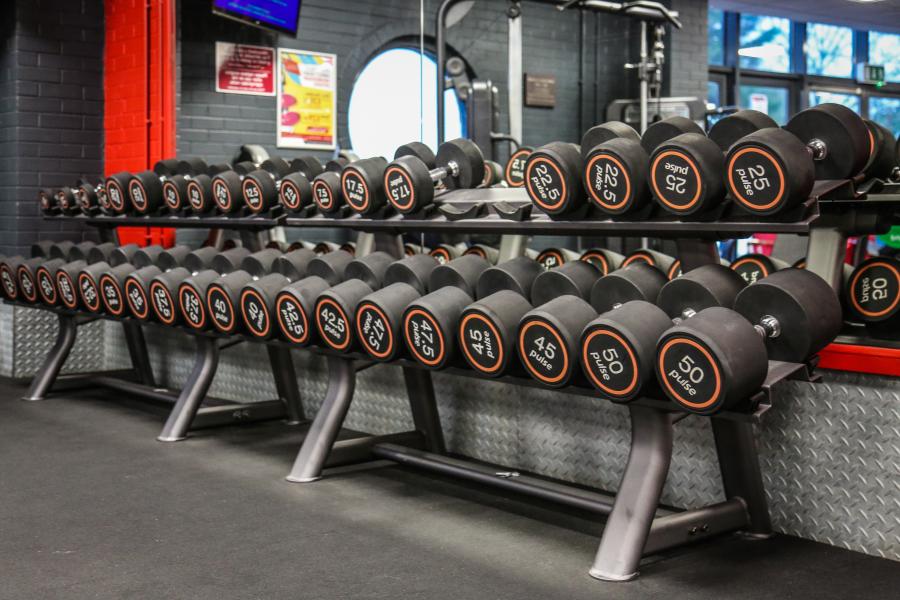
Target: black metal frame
x: 636, y: 526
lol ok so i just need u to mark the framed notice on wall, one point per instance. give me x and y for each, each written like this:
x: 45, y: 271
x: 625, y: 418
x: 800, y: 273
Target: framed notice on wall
x: 307, y: 100
x: 242, y: 69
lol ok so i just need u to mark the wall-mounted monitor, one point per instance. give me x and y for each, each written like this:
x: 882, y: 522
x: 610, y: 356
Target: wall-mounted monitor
x: 279, y: 15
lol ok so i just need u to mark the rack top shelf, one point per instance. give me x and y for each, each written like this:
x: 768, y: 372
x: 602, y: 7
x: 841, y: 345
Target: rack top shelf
x: 829, y: 198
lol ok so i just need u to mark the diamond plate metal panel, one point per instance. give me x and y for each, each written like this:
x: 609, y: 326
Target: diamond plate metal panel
x: 33, y: 333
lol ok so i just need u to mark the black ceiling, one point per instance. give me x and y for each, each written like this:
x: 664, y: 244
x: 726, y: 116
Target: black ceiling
x: 882, y: 16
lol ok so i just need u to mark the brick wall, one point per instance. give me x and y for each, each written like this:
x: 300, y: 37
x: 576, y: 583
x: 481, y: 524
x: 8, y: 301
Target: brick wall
x: 686, y: 71
x: 52, y: 108
x: 213, y: 125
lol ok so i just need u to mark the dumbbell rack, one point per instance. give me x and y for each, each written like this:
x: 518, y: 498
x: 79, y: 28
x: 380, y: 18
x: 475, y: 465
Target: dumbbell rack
x: 636, y: 526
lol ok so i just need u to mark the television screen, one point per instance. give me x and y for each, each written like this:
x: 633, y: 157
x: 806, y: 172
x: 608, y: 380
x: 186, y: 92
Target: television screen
x: 280, y: 15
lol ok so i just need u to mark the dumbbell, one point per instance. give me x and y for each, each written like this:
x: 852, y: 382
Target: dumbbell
x: 550, y: 258
x: 277, y: 180
x: 362, y: 182
x: 148, y: 190
x: 618, y: 347
x: 92, y: 197
x: 514, y: 173
x: 606, y: 261
x: 326, y: 192
x: 614, y: 168
x: 295, y: 303
x: 410, y: 181
x: 177, y: 265
x: 149, y: 263
x: 883, y: 158
x: 122, y: 262
x: 227, y: 186
x: 487, y: 329
x: 30, y: 286
x: 259, y: 297
x: 444, y: 253
x: 198, y: 189
x: 47, y: 202
x: 753, y: 267
x: 873, y: 294
x: 488, y: 253
x: 66, y: 201
x: 686, y: 171
x: 774, y: 169
x: 493, y: 174
x: 410, y: 249
x: 430, y: 323
x: 192, y: 290
x: 99, y: 261
x: 718, y: 358
x: 176, y: 188
x: 668, y: 265
x: 223, y: 296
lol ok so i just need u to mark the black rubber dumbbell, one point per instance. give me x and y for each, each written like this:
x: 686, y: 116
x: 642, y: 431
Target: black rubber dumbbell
x: 614, y: 168
x: 227, y: 186
x: 362, y: 182
x: 45, y: 278
x: 277, y: 179
x: 774, y: 169
x: 488, y: 253
x: 99, y: 262
x: 295, y: 192
x: 873, y: 295
x: 223, y: 296
x: 177, y: 266
x: 550, y: 258
x: 199, y: 192
x: 31, y: 286
x: 488, y: 328
x: 668, y: 265
x: 26, y: 281
x: 883, y: 159
x: 148, y: 191
x: 66, y: 201
x: 430, y: 324
x: 493, y: 175
x: 606, y: 261
x: 66, y: 277
x: 327, y: 194
x: 725, y: 132
x: 410, y: 181
x: 259, y: 297
x: 192, y: 290
x: 444, y: 253
x: 92, y: 198
x: 116, y: 186
x: 618, y: 348
x: 47, y: 202
x: 379, y: 315
x: 753, y: 267
x: 553, y: 179
x: 150, y: 263
x: 176, y: 192
x: 514, y: 173
x: 718, y: 359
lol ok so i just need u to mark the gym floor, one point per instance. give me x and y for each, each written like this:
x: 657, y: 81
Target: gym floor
x: 92, y: 506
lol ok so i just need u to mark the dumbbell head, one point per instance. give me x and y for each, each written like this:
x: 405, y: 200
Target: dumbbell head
x: 575, y: 278
x: 259, y: 190
x: 462, y: 273
x: 370, y: 269
x: 294, y: 307
x: 260, y: 263
x: 173, y: 257
x: 618, y: 348
x: 192, y: 165
x: 807, y: 311
x: 8, y: 268
x: 42, y: 248
x: 753, y: 267
x: 430, y: 325
x: 112, y: 289
x: 66, y: 277
x: 600, y: 134
x: 713, y: 361
x: 842, y: 133
x: 464, y: 160
x: 883, y: 158
x: 413, y: 270
x: 195, y: 261
x: 493, y: 174
x: 517, y: 275
x: 686, y: 174
x: 486, y: 252
x: 122, y: 254
x: 137, y: 291
x: 90, y: 197
x: 100, y: 253
x: 330, y: 267
x: 362, y: 185
x: 418, y: 150
x: 164, y: 295
x: 335, y: 313
x: 89, y: 285
x: 550, y: 258
x: 514, y: 173
x: 709, y: 285
x: 308, y: 165
x: 146, y: 256
x: 167, y: 166
x: 47, y: 201
x: 223, y: 299
x: 668, y: 265
x: 79, y: 251
x: 327, y: 193
x: 548, y: 339
x: 145, y: 192
x: 488, y: 330
x: 192, y: 299
x: 66, y: 201
x: 62, y: 250
x: 295, y: 192
x: 408, y: 184
x: 725, y: 132
x: 553, y: 178
x: 199, y: 193
x: 294, y: 264
x: 606, y: 261
x: 229, y: 260
x: 638, y: 281
x: 873, y: 291
x: 258, y: 304
x: 117, y: 192
x: 46, y: 283
x: 25, y: 278
x: 444, y: 253
x: 615, y: 175
x: 379, y: 317
x: 227, y: 191
x: 665, y: 130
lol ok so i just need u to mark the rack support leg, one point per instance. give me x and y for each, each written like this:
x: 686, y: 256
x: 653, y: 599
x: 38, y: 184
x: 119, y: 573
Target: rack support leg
x: 741, y: 476
x: 420, y: 390
x: 286, y: 383
x: 56, y: 358
x: 325, y: 427
x: 628, y: 526
x: 205, y: 364
x: 137, y: 350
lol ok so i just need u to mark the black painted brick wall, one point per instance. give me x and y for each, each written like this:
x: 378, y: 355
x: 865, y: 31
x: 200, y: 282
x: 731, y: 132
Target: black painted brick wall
x: 213, y: 125
x: 687, y: 72
x: 52, y: 111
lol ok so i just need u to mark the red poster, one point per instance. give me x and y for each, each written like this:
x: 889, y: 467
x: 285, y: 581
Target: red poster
x: 244, y: 69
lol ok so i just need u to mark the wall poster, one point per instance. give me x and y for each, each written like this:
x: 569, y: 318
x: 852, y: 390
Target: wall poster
x: 307, y: 100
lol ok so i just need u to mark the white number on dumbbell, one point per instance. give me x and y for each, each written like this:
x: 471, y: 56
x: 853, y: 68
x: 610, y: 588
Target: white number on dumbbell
x: 548, y: 348
x: 694, y: 373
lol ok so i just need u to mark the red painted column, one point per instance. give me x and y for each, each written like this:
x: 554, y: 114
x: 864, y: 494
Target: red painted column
x: 139, y: 91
